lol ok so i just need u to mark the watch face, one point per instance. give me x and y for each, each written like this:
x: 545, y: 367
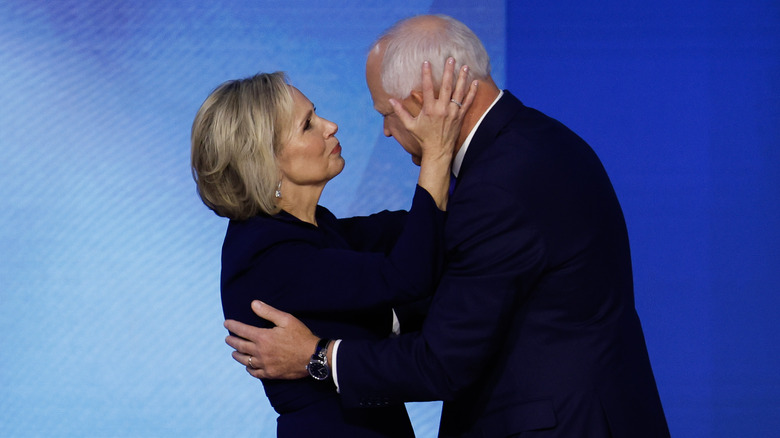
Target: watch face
x: 318, y: 370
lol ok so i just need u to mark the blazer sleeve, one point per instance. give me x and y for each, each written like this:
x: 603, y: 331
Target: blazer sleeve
x: 501, y: 255
x: 378, y: 232
x: 301, y: 277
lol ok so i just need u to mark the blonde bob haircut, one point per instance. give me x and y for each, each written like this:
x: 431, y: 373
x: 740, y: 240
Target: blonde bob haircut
x: 236, y: 136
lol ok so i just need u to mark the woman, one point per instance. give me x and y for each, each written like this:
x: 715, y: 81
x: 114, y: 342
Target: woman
x: 261, y: 156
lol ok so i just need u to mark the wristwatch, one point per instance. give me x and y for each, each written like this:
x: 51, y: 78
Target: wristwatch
x: 318, y: 364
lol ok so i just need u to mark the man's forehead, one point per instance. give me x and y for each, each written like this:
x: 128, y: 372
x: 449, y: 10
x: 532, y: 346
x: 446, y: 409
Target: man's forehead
x: 374, y: 81
x: 381, y: 104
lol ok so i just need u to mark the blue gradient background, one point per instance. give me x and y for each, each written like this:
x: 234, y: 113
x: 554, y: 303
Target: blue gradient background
x: 110, y: 320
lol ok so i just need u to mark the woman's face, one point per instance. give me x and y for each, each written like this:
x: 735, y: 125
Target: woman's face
x: 312, y: 154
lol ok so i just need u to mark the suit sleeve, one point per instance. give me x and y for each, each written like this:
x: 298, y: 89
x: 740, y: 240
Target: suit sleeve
x: 316, y: 280
x: 499, y: 257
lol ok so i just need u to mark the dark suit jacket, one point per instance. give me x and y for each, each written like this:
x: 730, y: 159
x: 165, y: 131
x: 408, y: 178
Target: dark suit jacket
x: 339, y: 278
x: 533, y: 326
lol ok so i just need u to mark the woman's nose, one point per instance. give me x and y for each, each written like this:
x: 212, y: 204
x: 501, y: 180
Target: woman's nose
x: 332, y: 129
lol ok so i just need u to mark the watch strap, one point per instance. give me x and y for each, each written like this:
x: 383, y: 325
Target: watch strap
x: 321, y: 350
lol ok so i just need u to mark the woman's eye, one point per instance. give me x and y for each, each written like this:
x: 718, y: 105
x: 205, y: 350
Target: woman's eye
x: 307, y: 125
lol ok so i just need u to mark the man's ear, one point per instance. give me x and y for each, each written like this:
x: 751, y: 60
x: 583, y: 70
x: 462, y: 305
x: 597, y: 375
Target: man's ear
x: 417, y: 97
x: 414, y: 103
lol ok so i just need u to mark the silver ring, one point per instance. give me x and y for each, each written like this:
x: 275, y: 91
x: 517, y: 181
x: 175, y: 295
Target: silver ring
x: 250, y: 363
x: 456, y: 102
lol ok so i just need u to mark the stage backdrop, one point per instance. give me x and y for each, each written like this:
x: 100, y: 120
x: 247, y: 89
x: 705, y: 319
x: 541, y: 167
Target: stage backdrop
x: 110, y: 319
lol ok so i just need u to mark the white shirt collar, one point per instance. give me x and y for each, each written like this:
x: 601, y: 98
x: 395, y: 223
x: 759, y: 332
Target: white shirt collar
x: 458, y: 161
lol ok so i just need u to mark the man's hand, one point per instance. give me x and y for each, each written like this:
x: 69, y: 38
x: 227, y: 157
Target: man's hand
x: 281, y: 352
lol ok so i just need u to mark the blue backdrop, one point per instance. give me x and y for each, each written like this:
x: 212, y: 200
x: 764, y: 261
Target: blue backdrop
x: 110, y: 320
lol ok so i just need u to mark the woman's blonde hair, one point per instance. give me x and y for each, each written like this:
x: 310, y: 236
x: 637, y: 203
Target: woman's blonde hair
x: 236, y: 137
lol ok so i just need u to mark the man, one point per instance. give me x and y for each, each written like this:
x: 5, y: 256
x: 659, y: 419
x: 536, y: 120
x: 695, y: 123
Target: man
x: 532, y: 328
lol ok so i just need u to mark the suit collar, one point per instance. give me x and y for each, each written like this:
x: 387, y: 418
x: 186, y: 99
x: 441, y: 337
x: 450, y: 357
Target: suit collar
x: 499, y: 116
x: 458, y: 161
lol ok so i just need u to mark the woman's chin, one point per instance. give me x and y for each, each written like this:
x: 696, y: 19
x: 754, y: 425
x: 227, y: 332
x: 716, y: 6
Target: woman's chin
x: 339, y: 169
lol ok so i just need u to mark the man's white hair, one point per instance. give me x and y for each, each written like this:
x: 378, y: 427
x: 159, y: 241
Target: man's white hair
x: 412, y: 41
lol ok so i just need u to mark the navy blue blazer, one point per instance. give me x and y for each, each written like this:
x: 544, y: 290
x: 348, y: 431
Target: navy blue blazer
x: 340, y: 278
x: 533, y: 325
